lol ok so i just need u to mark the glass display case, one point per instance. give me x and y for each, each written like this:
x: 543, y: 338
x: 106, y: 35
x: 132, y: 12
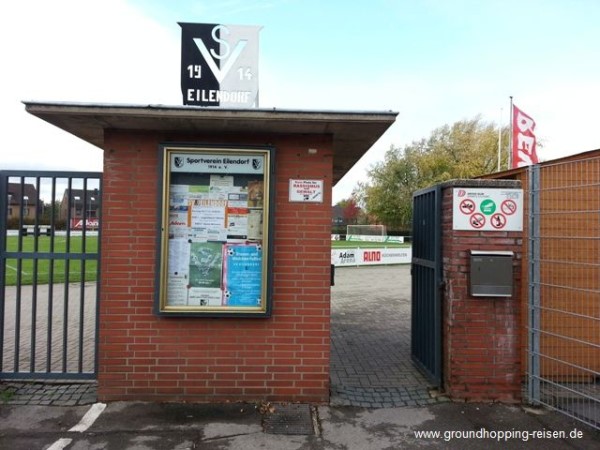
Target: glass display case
x: 215, y: 235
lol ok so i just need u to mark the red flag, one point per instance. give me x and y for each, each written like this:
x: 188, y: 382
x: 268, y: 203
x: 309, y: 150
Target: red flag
x: 523, y: 139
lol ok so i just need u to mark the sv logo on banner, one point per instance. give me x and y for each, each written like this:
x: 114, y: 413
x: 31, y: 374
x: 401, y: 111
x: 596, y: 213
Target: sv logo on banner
x: 219, y: 65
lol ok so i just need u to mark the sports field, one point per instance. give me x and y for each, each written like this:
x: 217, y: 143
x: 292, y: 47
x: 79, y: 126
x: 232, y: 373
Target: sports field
x: 58, y: 267
x: 86, y: 270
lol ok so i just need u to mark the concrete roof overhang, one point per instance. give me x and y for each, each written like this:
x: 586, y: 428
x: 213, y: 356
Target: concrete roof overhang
x: 353, y: 133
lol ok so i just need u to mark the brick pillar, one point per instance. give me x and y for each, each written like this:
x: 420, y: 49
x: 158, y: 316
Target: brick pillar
x: 481, y: 334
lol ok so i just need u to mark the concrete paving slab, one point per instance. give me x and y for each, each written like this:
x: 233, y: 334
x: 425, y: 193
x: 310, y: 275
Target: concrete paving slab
x: 19, y: 419
x: 134, y: 416
x: 150, y: 426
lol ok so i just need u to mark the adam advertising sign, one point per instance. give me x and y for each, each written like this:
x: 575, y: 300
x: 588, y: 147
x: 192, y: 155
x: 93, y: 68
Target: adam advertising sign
x: 219, y: 65
x: 370, y: 256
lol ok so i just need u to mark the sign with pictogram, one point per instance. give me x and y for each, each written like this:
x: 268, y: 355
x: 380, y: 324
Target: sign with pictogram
x: 467, y: 206
x: 477, y: 220
x: 494, y: 209
x: 508, y: 207
x: 498, y: 221
x: 488, y: 206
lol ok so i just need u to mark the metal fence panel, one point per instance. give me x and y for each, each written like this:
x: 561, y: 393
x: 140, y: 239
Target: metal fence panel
x: 564, y: 287
x: 49, y: 267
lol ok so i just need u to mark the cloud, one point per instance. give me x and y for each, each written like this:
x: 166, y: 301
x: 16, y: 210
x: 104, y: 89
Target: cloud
x: 78, y: 51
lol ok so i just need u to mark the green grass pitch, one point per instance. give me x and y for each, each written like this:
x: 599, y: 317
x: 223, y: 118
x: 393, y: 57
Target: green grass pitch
x: 27, y: 266
x: 77, y: 270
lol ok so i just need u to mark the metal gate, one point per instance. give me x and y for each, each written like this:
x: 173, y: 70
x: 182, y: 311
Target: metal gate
x: 426, y: 270
x: 564, y: 288
x: 49, y: 267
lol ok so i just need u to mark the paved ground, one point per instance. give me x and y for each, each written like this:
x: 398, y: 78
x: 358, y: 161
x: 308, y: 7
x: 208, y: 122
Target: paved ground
x: 379, y: 400
x: 47, y: 393
x: 371, y: 364
x: 370, y: 343
x: 156, y: 426
x: 69, y: 344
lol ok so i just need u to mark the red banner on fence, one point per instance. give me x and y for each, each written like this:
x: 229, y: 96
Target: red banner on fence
x: 523, y: 139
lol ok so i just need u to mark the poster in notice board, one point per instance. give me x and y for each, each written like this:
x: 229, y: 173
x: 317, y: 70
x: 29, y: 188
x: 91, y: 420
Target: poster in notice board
x: 242, y: 275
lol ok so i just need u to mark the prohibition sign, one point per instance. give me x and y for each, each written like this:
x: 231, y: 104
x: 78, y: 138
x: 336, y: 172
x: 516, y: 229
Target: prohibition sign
x: 508, y: 207
x: 477, y: 220
x: 498, y: 221
x: 467, y: 206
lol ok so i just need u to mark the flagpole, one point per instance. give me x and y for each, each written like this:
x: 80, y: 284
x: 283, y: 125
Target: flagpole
x: 510, y: 135
x: 500, y: 140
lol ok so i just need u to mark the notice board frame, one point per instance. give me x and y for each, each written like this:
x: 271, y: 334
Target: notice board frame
x: 219, y: 180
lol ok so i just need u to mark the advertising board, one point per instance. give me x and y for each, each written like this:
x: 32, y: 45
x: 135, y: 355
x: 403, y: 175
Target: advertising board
x: 370, y: 256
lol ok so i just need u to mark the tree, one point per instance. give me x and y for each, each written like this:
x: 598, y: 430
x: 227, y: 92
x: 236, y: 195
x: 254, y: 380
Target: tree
x: 351, y: 211
x: 48, y: 210
x: 466, y: 149
x: 347, y: 212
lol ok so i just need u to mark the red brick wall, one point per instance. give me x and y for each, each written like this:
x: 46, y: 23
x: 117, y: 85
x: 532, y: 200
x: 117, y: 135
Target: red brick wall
x: 481, y: 334
x: 150, y: 358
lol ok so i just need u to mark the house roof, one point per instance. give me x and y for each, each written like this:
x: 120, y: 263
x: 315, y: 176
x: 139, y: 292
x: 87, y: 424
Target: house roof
x: 91, y: 194
x: 29, y: 191
x: 353, y: 133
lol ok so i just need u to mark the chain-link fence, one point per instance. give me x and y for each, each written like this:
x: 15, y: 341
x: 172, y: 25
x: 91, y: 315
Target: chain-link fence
x: 564, y: 288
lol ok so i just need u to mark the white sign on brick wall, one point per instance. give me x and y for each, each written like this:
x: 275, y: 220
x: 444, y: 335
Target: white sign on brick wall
x: 306, y: 191
x: 493, y: 209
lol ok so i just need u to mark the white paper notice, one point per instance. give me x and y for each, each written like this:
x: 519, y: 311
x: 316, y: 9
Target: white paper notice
x: 179, y: 257
x: 221, y: 180
x: 237, y: 221
x: 205, y: 297
x: 179, y: 188
x: 177, y: 291
x: 255, y: 224
x: 178, y: 223
x: 220, y: 186
x: 237, y: 199
x: 208, y: 214
x: 178, y: 202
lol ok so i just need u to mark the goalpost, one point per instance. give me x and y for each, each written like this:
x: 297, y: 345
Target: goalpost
x: 376, y: 233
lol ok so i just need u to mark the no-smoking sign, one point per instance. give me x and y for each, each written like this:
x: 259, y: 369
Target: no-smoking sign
x: 494, y: 209
x: 508, y: 207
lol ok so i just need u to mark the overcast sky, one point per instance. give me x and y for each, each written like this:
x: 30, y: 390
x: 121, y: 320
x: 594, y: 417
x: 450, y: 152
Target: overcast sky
x: 433, y: 61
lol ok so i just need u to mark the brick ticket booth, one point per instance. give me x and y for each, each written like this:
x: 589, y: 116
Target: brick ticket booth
x: 215, y: 238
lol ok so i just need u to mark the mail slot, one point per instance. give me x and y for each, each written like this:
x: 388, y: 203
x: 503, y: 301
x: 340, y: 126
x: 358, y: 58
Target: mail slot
x: 491, y: 273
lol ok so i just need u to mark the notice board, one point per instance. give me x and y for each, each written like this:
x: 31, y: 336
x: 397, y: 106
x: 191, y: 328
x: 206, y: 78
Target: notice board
x: 215, y: 232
